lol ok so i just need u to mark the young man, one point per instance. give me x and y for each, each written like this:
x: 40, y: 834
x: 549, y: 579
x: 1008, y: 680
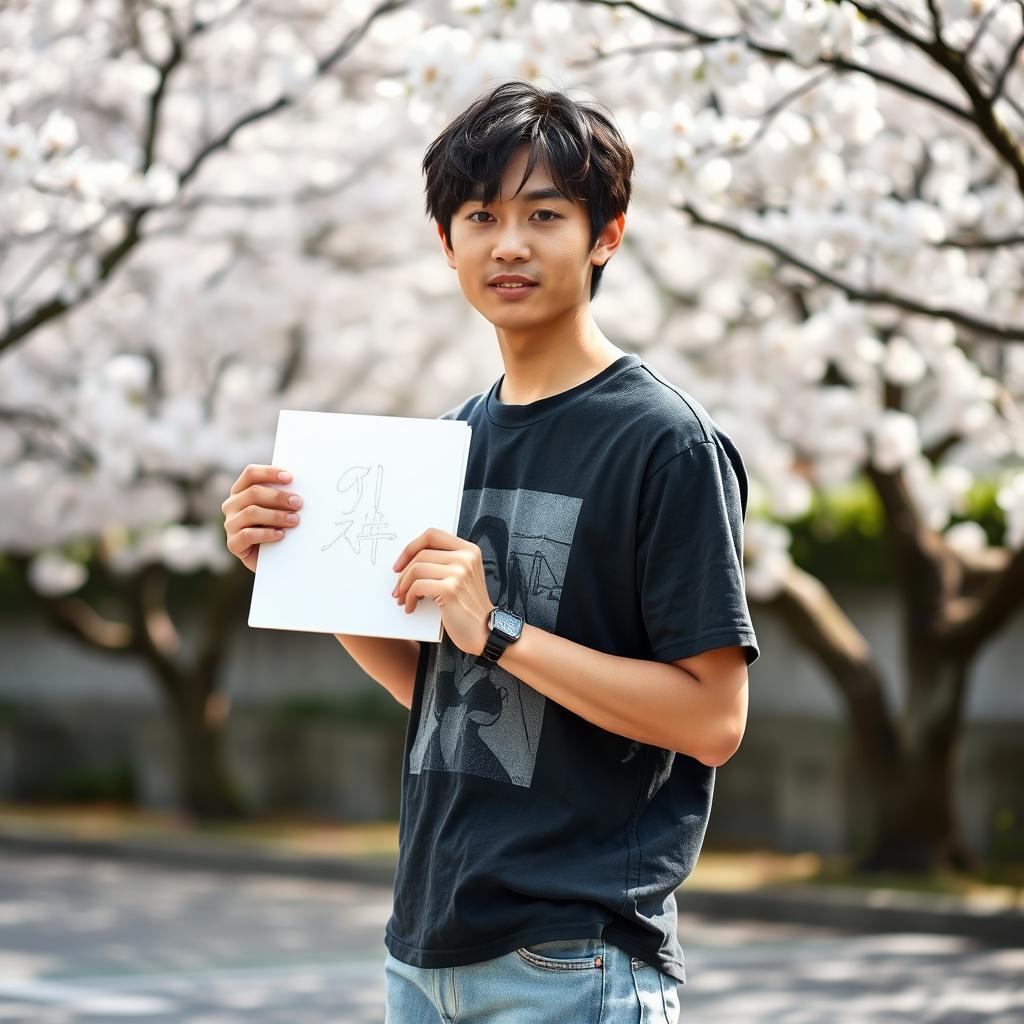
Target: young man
x: 561, y: 752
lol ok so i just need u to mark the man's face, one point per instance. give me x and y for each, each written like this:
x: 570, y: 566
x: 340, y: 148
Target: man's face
x: 542, y: 237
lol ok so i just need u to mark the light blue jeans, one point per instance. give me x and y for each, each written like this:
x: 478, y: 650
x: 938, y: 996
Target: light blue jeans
x: 583, y: 981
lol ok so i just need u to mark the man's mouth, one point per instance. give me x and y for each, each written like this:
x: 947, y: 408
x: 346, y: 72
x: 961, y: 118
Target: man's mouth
x: 512, y: 291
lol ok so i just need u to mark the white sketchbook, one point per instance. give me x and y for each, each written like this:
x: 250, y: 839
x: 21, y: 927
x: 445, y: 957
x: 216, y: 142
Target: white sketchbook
x: 369, y: 485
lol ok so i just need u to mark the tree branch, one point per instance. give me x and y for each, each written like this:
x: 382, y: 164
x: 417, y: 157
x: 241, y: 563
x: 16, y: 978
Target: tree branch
x: 999, y: 242
x: 79, y: 619
x: 81, y: 457
x: 873, y: 295
x: 928, y: 575
x: 983, y: 24
x: 703, y: 38
x: 980, y: 114
x: 958, y: 68
x: 823, y: 628
x: 971, y: 620
x: 54, y: 308
x: 1011, y: 59
x: 981, y: 567
x: 218, y: 615
x: 73, y: 616
x: 933, y: 11
x: 158, y: 627
x: 325, y: 63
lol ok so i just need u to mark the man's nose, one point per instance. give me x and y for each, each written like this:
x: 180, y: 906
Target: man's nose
x: 511, y: 243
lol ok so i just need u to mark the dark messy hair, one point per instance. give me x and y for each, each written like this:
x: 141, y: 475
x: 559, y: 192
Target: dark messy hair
x: 589, y: 160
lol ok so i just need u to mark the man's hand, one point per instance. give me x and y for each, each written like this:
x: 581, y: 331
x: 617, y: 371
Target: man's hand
x: 450, y: 571
x: 256, y: 505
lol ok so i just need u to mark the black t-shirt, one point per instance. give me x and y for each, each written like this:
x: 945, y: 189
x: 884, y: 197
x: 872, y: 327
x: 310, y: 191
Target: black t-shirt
x: 610, y: 514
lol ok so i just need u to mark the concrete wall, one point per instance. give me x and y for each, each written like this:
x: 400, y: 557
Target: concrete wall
x: 793, y: 785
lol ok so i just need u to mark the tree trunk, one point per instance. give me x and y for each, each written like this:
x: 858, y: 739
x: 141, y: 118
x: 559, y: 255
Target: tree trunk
x: 199, y: 708
x: 906, y: 762
x: 916, y: 827
x: 206, y: 785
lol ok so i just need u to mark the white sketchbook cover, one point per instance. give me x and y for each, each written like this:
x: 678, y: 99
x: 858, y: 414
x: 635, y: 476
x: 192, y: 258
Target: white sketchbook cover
x: 369, y: 485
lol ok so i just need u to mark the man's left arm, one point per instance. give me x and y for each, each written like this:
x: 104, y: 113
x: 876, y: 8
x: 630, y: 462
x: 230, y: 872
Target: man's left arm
x: 695, y: 706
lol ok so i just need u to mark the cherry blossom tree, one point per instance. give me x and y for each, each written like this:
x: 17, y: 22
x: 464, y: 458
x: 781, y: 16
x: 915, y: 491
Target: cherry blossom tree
x: 870, y: 158
x: 212, y: 211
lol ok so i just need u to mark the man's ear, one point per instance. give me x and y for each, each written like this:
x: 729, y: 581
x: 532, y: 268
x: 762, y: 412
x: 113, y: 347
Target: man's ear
x: 448, y: 251
x: 608, y: 241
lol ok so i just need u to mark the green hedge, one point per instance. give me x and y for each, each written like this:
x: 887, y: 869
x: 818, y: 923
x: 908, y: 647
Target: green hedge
x: 91, y: 782
x: 842, y: 540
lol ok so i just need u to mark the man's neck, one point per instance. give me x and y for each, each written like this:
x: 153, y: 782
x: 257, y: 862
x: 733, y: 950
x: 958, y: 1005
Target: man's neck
x: 536, y: 375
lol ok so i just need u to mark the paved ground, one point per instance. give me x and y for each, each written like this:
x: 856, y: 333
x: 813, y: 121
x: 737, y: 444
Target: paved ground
x: 85, y: 940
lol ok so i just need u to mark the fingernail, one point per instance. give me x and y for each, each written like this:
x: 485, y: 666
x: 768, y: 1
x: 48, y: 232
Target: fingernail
x: 285, y: 476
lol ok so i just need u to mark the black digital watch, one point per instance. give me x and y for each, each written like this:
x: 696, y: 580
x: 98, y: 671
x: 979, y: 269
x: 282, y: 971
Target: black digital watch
x: 506, y: 628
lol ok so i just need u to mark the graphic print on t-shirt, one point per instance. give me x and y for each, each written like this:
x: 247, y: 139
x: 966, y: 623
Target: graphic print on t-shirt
x: 475, y: 717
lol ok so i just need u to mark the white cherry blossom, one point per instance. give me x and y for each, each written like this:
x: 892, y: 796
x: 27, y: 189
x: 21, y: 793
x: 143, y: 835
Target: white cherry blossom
x: 296, y: 229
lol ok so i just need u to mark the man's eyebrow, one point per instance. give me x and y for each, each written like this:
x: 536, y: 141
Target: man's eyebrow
x: 477, y: 195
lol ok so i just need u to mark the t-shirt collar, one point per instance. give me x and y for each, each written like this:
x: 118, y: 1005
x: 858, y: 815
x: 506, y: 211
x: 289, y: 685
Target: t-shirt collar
x: 506, y: 415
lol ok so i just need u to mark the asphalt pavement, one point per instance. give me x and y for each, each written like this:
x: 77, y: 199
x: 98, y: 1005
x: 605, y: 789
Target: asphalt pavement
x: 92, y: 938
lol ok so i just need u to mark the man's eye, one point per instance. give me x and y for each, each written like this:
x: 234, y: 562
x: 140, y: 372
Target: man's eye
x: 552, y: 216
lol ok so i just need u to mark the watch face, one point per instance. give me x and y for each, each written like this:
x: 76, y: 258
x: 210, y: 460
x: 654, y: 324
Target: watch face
x: 507, y: 623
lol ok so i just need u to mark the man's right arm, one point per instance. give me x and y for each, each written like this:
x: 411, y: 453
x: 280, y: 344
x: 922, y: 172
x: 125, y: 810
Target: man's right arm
x: 388, y: 660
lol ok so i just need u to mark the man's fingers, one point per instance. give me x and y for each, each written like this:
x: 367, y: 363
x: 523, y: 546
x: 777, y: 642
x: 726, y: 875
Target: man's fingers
x: 245, y: 538
x: 432, y: 538
x: 255, y: 473
x: 258, y: 515
x: 434, y: 570
x: 262, y: 496
x: 252, y: 501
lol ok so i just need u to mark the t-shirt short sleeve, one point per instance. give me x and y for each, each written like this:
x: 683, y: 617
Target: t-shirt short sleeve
x: 456, y: 411
x: 690, y: 554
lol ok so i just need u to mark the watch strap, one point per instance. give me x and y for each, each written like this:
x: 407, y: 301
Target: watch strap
x: 495, y: 646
